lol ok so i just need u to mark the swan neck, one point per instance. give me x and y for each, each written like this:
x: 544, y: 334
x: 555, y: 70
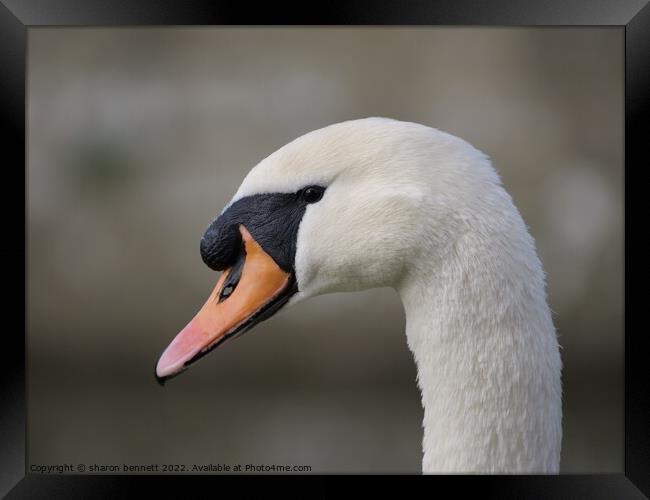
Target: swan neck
x: 487, y: 356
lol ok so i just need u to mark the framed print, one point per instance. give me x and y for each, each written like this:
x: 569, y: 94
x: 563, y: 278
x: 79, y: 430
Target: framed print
x: 451, y: 181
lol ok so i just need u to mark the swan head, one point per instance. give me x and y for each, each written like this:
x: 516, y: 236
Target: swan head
x: 351, y: 206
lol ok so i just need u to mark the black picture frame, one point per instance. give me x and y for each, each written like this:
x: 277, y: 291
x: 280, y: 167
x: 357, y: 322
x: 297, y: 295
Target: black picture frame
x: 16, y: 16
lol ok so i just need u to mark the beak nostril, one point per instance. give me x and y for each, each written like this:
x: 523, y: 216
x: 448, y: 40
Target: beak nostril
x: 225, y: 293
x: 234, y: 275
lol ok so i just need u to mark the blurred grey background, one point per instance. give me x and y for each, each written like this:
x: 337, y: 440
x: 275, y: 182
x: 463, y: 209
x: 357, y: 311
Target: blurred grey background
x: 138, y: 137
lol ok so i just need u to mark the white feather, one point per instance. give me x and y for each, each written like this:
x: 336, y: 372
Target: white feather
x: 423, y: 211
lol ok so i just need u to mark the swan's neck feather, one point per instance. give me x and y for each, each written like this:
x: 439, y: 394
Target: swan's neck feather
x: 486, y: 350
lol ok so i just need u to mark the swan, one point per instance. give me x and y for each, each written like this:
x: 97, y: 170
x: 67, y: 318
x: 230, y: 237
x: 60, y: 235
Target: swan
x: 377, y: 202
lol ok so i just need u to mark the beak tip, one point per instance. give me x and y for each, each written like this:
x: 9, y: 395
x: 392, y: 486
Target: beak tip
x: 164, y: 371
x: 160, y: 379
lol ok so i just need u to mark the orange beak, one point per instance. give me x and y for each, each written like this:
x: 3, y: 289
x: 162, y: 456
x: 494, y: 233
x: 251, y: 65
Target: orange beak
x: 246, y: 293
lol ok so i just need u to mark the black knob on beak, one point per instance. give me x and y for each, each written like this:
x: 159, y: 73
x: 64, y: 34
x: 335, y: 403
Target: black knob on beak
x: 221, y: 244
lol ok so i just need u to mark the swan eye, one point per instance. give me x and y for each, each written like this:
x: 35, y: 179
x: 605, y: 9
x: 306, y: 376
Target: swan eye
x: 312, y: 194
